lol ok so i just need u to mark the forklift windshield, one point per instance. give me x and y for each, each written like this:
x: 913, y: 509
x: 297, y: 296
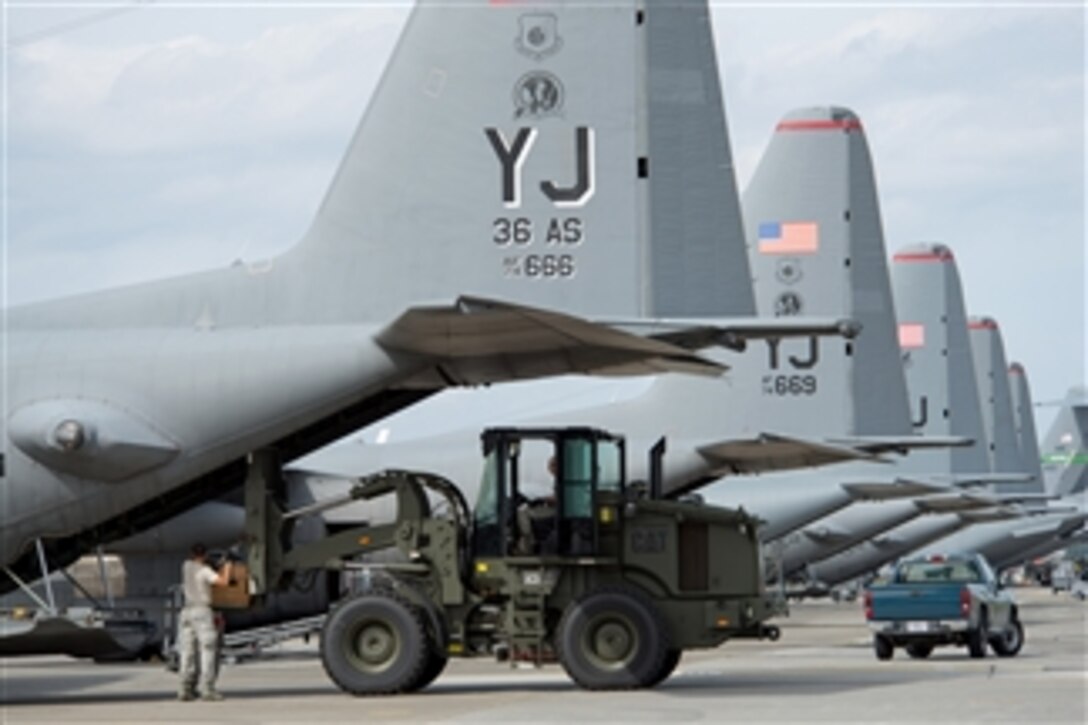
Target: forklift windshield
x: 488, y: 536
x: 577, y: 478
x: 538, y: 495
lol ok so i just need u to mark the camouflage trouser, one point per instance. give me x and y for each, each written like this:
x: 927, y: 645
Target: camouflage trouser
x: 197, y: 637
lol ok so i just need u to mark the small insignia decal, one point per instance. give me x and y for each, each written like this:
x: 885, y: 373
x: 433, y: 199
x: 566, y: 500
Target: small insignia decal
x: 539, y: 36
x: 789, y: 270
x: 538, y: 94
x: 788, y: 304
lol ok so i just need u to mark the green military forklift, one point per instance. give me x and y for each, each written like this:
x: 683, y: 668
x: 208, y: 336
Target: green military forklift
x: 606, y: 577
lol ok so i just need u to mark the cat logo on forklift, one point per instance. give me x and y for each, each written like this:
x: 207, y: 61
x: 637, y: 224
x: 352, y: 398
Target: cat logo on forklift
x: 649, y: 540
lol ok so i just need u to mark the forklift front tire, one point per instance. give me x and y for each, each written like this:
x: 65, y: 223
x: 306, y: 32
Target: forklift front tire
x: 613, y: 640
x: 376, y: 644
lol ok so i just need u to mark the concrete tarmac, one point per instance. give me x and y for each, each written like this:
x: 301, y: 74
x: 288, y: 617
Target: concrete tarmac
x: 822, y: 670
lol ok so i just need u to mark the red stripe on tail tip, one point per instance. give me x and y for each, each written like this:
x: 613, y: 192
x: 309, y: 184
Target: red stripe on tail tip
x: 942, y: 256
x: 982, y: 325
x: 845, y: 124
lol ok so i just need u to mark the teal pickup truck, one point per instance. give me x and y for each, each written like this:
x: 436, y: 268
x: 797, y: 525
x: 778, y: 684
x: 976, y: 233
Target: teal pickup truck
x: 943, y: 600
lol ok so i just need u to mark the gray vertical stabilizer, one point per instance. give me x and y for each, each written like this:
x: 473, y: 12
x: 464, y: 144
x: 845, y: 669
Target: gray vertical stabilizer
x: 991, y: 374
x: 936, y: 355
x: 816, y: 247
x: 1024, y: 418
x: 698, y: 263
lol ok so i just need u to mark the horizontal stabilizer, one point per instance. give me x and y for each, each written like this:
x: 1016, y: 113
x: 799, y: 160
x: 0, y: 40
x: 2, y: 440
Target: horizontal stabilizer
x: 997, y: 513
x: 734, y: 333
x: 967, y: 480
x: 902, y: 444
x: 1033, y: 529
x: 827, y: 534
x: 887, y: 541
x: 873, y: 490
x: 772, y: 452
x: 954, y: 503
x: 808, y: 590
x: 1058, y: 510
x: 476, y: 341
x: 1033, y: 500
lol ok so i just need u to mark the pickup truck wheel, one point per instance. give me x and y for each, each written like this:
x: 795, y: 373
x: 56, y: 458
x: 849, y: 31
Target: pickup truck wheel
x: 978, y: 638
x: 375, y: 644
x: 883, y: 647
x: 919, y: 650
x: 612, y: 640
x: 1011, y: 639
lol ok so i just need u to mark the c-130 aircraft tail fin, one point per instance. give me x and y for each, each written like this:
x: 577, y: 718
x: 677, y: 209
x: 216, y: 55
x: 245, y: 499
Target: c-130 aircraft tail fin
x: 936, y: 353
x: 519, y: 151
x: 816, y: 246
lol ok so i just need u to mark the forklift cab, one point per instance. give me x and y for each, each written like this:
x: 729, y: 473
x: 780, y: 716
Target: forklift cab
x: 547, y: 492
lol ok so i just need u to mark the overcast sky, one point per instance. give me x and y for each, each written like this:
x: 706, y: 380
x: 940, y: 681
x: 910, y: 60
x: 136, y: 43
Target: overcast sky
x: 150, y: 139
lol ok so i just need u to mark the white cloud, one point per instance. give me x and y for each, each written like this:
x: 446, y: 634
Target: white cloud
x: 191, y: 89
x: 209, y: 147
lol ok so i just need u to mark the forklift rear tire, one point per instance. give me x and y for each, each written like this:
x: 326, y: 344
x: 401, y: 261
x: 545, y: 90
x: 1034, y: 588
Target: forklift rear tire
x: 613, y: 640
x: 375, y: 644
x: 672, y: 659
x: 435, y: 664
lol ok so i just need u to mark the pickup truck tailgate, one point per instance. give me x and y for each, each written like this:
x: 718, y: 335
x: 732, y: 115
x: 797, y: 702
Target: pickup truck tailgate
x: 907, y: 602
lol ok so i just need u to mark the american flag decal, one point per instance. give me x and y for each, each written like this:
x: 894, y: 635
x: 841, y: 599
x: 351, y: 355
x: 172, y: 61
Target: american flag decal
x: 912, y: 336
x: 789, y: 238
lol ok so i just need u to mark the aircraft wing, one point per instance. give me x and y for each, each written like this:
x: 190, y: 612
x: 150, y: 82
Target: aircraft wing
x: 476, y: 341
x: 773, y: 452
x: 734, y: 333
x: 902, y: 444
